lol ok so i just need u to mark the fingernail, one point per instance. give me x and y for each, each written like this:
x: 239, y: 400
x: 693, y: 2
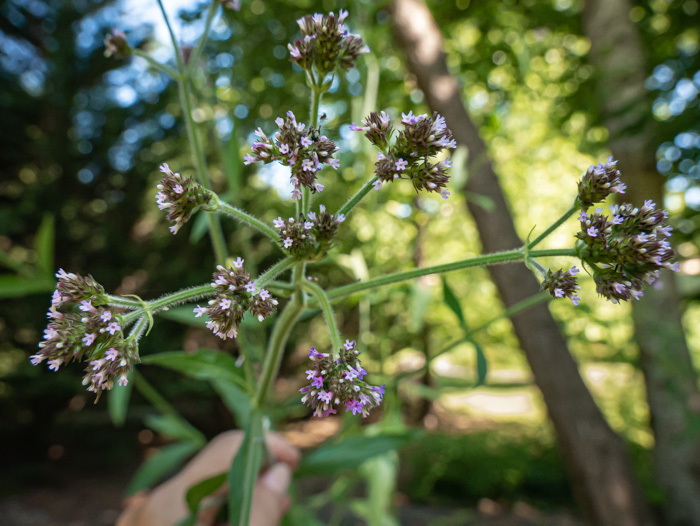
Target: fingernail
x: 278, y: 477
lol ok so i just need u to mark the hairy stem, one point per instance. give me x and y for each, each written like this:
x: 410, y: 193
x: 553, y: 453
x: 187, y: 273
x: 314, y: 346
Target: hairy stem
x: 345, y: 209
x: 249, y: 220
x: 275, y: 270
x: 571, y: 211
x: 478, y: 261
x: 158, y: 65
x: 325, y: 305
x: 169, y: 300
x: 124, y: 303
x: 197, y: 52
x: 278, y: 339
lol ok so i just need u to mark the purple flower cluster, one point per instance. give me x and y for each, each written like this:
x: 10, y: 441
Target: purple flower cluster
x: 560, y: 284
x: 93, y: 333
x: 309, y: 237
x: 598, y: 183
x: 625, y: 250
x: 423, y: 136
x: 236, y: 295
x: 326, y: 44
x: 116, y: 44
x: 305, y: 151
x: 181, y: 197
x: 341, y: 381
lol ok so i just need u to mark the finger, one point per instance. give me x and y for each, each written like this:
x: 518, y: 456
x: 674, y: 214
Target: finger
x: 270, y: 498
x: 282, y: 450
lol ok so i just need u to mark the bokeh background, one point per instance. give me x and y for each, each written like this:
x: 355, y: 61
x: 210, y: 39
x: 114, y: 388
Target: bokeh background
x: 83, y: 136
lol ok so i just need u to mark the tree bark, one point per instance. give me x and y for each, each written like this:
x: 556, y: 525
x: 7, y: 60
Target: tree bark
x: 596, y: 459
x: 671, y: 382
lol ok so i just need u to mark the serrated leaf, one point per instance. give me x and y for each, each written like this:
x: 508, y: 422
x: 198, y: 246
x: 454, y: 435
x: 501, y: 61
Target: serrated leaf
x: 118, y: 402
x: 334, y: 458
x: 452, y: 302
x: 160, y: 465
x: 244, y: 471
x: 205, y: 364
x: 44, y: 245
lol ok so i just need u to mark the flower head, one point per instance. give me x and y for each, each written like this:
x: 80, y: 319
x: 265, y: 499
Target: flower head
x: 116, y: 44
x: 326, y: 44
x: 181, y: 197
x: 304, y: 150
x: 236, y: 295
x: 337, y: 382
x: 598, y: 183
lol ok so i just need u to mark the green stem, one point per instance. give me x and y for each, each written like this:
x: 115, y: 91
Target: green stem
x: 215, y: 232
x: 173, y: 39
x: 275, y: 270
x: 316, y: 94
x: 275, y: 347
x: 197, y: 52
x: 249, y: 220
x: 345, y: 209
x: 325, y: 305
x: 571, y: 211
x: 138, y: 328
x: 508, y: 313
x: 119, y: 301
x: 478, y: 261
x: 180, y: 296
x: 158, y: 65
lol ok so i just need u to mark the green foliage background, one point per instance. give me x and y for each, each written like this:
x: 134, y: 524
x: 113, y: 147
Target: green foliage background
x: 84, y: 136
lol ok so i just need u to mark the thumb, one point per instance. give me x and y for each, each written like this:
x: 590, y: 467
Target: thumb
x: 270, y: 498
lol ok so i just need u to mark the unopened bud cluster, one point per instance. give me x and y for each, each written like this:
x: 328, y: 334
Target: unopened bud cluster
x: 91, y: 333
x: 326, y: 44
x: 236, y: 295
x: 116, y: 44
x: 309, y: 237
x: 340, y: 381
x: 561, y: 284
x: 302, y: 149
x: 598, y: 183
x: 181, y: 197
x: 409, y: 157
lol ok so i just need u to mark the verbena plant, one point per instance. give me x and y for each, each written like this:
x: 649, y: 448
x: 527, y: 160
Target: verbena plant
x: 622, y: 251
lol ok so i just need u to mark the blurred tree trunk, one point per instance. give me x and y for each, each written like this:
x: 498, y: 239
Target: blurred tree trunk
x: 596, y: 459
x: 671, y: 381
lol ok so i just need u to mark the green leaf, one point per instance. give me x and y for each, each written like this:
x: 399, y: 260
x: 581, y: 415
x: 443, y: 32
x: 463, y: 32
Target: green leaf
x: 235, y: 399
x: 16, y: 287
x: 185, y: 315
x: 197, y: 492
x: 420, y: 299
x: 160, y: 465
x: 199, y: 228
x: 118, y: 402
x: 482, y: 366
x: 175, y: 427
x: 481, y: 200
x: 244, y: 471
x: 44, y: 245
x: 205, y: 364
x: 330, y: 459
x: 452, y: 302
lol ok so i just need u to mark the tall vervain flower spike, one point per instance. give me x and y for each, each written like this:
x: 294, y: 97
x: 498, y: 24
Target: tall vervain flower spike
x: 326, y: 44
x: 341, y: 381
x: 308, y: 238
x: 302, y: 149
x: 181, y: 197
x: 82, y: 329
x: 409, y: 156
x: 236, y: 295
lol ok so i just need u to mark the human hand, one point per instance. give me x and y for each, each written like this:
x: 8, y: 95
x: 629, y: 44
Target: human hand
x: 165, y: 505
